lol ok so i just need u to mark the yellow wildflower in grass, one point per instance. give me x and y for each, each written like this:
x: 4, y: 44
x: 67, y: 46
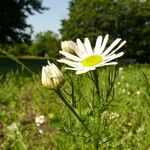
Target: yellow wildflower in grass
x: 52, y: 77
x: 86, y: 58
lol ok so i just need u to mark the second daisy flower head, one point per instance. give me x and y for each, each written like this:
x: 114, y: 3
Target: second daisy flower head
x: 87, y: 58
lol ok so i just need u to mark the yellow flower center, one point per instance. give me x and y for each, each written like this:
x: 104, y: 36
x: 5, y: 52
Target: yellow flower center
x: 92, y: 60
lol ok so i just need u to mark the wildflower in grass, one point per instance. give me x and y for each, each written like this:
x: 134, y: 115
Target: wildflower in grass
x: 124, y: 90
x: 120, y: 69
x: 105, y: 114
x: 113, y: 115
x: 87, y: 59
x: 128, y: 93
x: 110, y: 115
x: 52, y: 78
x: 39, y: 120
x: 68, y: 46
x: 138, y: 92
x: 119, y: 83
x: 40, y: 131
x: 122, y: 77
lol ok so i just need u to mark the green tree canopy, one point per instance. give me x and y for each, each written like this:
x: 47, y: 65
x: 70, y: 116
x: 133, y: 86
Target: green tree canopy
x: 128, y: 19
x: 45, y: 43
x: 13, y: 14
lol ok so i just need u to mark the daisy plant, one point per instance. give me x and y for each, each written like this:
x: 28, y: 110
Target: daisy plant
x: 89, y: 95
x: 87, y: 59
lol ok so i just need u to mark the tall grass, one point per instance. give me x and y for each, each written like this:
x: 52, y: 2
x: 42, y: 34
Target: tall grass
x: 22, y: 98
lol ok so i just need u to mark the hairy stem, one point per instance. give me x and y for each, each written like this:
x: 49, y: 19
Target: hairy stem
x: 60, y: 94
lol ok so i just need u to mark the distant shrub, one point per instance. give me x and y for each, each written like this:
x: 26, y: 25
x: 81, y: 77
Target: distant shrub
x: 45, y: 44
x: 19, y: 49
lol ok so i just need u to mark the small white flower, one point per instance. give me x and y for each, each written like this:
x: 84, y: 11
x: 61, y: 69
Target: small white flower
x: 123, y: 90
x: 40, y: 131
x: 68, y: 46
x: 87, y: 59
x: 120, y: 69
x: 119, y: 83
x: 122, y: 77
x: 128, y: 93
x: 39, y: 120
x: 52, y: 78
x: 105, y: 114
x: 138, y: 92
x: 113, y: 115
x: 110, y: 115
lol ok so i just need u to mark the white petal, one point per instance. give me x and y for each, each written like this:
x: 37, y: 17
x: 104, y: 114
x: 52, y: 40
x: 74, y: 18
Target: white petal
x: 85, y: 69
x: 43, y: 74
x: 70, y: 56
x: 77, y: 68
x: 82, y: 71
x: 111, y: 47
x: 80, y: 46
x: 56, y: 71
x: 70, y: 63
x: 98, y: 45
x: 48, y: 62
x: 114, y: 56
x: 77, y: 50
x: 104, y: 44
x: 106, y: 64
x: 117, y: 48
x: 88, y: 46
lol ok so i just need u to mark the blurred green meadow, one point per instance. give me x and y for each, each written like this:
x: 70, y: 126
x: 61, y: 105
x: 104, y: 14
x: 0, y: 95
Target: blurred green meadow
x: 34, y: 64
x: 22, y: 98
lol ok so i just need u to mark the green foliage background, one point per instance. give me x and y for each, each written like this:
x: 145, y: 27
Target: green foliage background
x: 13, y: 15
x: 45, y: 43
x: 127, y: 19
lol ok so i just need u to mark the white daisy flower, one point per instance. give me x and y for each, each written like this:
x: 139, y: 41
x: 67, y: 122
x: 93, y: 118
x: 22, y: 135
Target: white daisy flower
x: 87, y: 59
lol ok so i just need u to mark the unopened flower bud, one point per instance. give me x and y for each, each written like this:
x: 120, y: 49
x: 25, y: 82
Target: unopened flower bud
x: 68, y: 46
x: 52, y: 78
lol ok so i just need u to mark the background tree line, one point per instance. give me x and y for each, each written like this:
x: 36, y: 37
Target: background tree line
x: 44, y: 44
x: 127, y: 19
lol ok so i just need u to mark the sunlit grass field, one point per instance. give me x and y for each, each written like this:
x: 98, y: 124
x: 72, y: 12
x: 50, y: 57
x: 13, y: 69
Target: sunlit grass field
x: 22, y: 98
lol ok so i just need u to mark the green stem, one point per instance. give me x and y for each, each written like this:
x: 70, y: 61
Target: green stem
x: 96, y: 144
x: 72, y: 110
x: 97, y: 83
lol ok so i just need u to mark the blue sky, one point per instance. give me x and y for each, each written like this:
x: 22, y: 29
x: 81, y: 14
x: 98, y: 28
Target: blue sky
x: 50, y: 19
